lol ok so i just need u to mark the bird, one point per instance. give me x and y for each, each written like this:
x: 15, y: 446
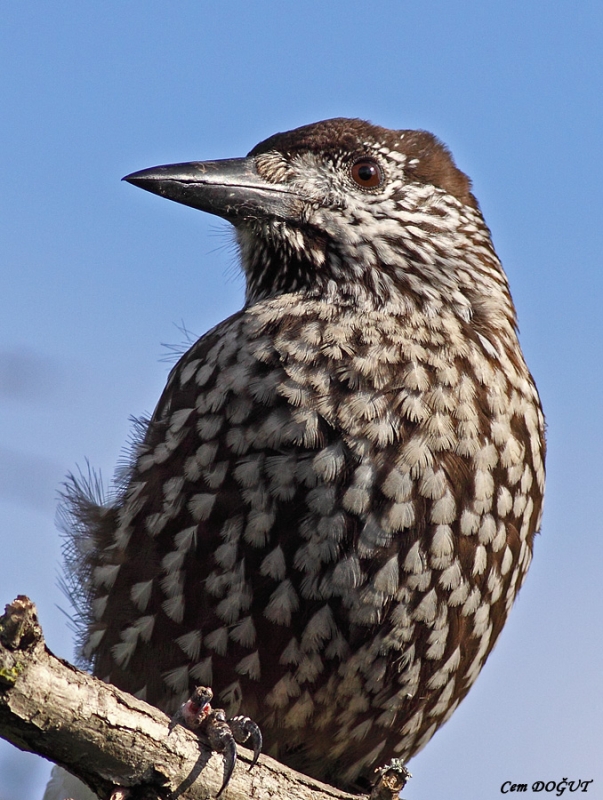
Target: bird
x: 331, y: 511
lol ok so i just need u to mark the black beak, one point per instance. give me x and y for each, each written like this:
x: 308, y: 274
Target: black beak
x: 230, y: 188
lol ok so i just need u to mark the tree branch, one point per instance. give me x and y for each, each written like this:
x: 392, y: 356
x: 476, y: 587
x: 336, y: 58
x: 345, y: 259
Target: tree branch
x: 110, y: 739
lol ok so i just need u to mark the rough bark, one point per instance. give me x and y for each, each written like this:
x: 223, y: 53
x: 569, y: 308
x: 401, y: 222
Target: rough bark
x: 110, y: 739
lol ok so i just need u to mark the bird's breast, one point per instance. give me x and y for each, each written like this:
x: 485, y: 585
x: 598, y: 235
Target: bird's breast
x: 327, y: 521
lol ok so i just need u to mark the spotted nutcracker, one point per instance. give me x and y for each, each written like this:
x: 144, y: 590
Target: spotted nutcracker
x: 332, y: 509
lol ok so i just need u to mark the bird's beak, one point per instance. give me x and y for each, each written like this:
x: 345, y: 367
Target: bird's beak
x: 230, y: 188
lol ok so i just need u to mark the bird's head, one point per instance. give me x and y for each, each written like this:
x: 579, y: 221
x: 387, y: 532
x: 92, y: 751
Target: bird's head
x: 350, y: 212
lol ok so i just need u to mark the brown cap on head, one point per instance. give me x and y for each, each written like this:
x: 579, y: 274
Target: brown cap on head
x: 429, y: 160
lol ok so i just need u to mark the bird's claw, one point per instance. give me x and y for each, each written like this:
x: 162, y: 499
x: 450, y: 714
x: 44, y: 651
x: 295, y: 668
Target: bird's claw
x: 244, y: 728
x: 390, y: 780
x: 197, y: 715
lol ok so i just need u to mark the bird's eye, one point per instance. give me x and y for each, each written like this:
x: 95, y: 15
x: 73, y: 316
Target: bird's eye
x: 366, y: 172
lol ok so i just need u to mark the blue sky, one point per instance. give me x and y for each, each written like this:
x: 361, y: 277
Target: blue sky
x: 96, y: 275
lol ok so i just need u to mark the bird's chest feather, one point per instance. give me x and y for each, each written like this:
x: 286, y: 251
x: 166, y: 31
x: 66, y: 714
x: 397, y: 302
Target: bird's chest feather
x: 331, y: 513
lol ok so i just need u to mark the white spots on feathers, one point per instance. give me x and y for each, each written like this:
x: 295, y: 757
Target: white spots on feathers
x: 470, y: 522
x: 274, y: 564
x: 204, y: 374
x: 179, y: 418
x: 427, y: 608
x: 442, y: 547
x: 486, y: 458
x: 202, y: 672
x: 443, y: 700
x: 373, y: 536
x: 495, y: 585
x: 226, y: 554
x: 248, y: 471
x: 487, y: 529
x: 512, y: 453
x: 438, y: 638
x: 421, y: 582
x: 417, y: 454
x: 200, y: 506
x: 188, y: 371
x: 177, y: 679
x: 387, y: 578
x: 481, y: 619
x: 299, y: 712
x: 186, y: 539
x: 287, y: 687
x: 452, y: 576
x: 459, y: 594
x: 347, y: 574
x: 500, y: 539
x: 172, y: 583
x: 471, y: 604
x: 123, y: 651
x: 214, y: 476
x: 250, y: 665
x: 398, y: 517
x: 173, y: 561
x: 415, y: 561
x: 283, y: 602
x: 99, y: 605
x: 414, y: 723
x: 190, y: 643
x: 155, y: 523
x: 244, y: 632
x: 398, y: 486
x: 320, y: 628
x: 281, y: 473
x: 474, y: 668
x: 209, y: 426
x: 480, y: 560
x: 441, y: 676
x: 238, y: 593
x: 357, y: 498
x: 527, y: 526
x: 259, y: 525
x: 329, y: 462
x: 444, y: 509
x: 174, y: 607
x: 292, y: 654
x: 93, y: 640
x: 484, y: 485
x: 310, y: 667
x: 217, y: 640
x: 144, y: 626
x: 106, y: 575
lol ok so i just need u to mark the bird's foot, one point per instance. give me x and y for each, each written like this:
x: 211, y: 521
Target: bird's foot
x: 222, y: 734
x: 390, y: 780
x: 120, y: 793
x: 243, y: 729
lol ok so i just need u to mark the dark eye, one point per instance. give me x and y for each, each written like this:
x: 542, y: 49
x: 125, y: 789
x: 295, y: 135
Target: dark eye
x: 366, y: 172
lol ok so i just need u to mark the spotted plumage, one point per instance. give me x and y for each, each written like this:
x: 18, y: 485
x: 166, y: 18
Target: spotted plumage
x: 331, y: 510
